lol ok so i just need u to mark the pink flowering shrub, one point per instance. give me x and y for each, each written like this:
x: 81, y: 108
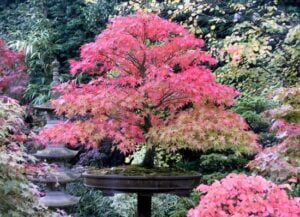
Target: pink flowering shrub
x: 239, y: 195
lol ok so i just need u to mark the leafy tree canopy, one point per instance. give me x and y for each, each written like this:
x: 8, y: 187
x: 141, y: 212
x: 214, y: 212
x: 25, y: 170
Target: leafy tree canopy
x: 150, y: 86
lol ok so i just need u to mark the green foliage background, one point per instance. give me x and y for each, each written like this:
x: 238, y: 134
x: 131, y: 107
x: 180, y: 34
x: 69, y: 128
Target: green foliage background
x: 51, y: 29
x: 268, y: 30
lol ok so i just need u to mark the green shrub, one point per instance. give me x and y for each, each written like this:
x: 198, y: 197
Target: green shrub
x: 124, y: 204
x: 257, y: 104
x: 92, y: 202
x: 215, y: 166
x: 295, y: 189
x: 252, y: 108
x: 184, y: 204
x: 162, y: 204
x: 163, y: 158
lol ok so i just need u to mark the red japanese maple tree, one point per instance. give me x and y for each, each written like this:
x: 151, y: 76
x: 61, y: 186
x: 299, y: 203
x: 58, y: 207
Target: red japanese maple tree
x: 238, y: 195
x: 12, y: 72
x: 150, y: 85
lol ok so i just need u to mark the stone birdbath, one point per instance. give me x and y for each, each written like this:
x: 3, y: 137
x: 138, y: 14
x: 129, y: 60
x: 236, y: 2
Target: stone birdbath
x: 144, y: 185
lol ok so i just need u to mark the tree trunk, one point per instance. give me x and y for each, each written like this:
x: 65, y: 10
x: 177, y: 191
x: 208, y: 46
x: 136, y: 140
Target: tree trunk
x: 148, y: 161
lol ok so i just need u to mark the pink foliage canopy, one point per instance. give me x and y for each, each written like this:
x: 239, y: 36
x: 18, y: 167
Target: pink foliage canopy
x: 146, y: 72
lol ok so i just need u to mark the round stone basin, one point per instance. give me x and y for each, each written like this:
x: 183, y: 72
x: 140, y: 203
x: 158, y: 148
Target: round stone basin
x: 146, y: 184
x: 143, y: 182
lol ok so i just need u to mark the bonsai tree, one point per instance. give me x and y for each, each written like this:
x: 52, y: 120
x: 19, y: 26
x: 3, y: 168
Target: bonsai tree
x: 149, y: 85
x: 12, y: 72
x: 242, y: 195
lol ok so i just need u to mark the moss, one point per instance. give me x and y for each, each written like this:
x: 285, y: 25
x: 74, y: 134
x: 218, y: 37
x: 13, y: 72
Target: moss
x: 136, y: 170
